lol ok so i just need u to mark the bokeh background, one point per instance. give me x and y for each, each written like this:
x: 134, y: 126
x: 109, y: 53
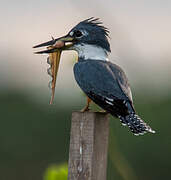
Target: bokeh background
x: 34, y: 136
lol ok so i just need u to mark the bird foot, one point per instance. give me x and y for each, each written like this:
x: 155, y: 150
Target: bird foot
x: 85, y: 109
x: 103, y: 111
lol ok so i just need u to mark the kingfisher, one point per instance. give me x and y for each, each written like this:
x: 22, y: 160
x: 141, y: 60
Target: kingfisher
x: 103, y: 82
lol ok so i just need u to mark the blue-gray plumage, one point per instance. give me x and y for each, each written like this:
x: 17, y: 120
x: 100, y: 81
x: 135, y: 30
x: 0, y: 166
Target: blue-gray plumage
x: 107, y: 85
x: 98, y: 33
x: 103, y: 82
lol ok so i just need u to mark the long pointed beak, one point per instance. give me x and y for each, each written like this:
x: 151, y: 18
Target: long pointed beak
x: 49, y: 43
x: 62, y: 43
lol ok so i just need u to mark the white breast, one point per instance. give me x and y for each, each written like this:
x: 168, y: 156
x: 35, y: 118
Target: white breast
x: 91, y: 52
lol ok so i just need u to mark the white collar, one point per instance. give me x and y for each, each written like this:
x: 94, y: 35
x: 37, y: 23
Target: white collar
x: 91, y: 52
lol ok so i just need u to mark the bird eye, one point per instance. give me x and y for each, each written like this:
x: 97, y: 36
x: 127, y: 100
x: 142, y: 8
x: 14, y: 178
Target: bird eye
x: 78, y: 33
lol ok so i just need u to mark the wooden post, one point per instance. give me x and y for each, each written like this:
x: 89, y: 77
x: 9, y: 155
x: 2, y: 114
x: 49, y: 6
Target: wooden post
x: 88, y: 146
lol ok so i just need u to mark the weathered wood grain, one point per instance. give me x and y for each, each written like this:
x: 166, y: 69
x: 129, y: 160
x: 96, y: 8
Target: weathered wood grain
x: 88, y: 146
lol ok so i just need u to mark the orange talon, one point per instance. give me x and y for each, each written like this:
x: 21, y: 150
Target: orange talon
x: 86, y: 108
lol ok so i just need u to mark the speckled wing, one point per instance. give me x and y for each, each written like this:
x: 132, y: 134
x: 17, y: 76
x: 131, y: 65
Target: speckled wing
x: 105, y: 84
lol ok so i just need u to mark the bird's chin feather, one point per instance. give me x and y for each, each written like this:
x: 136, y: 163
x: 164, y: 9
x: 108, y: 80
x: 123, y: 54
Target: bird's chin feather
x: 89, y: 51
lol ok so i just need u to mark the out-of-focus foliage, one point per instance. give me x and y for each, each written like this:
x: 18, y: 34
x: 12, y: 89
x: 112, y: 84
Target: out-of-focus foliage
x: 33, y: 136
x: 55, y: 172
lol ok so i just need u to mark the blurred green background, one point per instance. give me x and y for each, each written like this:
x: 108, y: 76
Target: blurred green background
x: 34, y: 136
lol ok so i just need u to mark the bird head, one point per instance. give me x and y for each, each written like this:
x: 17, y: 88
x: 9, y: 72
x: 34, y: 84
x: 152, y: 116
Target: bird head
x: 89, y: 38
x: 87, y: 34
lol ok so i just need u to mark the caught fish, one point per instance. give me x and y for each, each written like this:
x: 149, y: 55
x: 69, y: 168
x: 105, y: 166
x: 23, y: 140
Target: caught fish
x: 53, y: 60
x: 54, y: 50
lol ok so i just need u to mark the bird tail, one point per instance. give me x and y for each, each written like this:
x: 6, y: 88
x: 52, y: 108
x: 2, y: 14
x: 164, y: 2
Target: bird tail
x: 136, y: 124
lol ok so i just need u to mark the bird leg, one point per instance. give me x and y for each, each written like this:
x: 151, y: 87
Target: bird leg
x: 86, y: 108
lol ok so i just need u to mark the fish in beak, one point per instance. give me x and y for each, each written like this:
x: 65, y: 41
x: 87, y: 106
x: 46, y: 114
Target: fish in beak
x: 62, y: 43
x: 54, y: 49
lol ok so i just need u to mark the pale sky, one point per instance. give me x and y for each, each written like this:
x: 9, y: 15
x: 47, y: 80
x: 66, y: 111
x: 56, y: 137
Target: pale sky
x: 140, y: 39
